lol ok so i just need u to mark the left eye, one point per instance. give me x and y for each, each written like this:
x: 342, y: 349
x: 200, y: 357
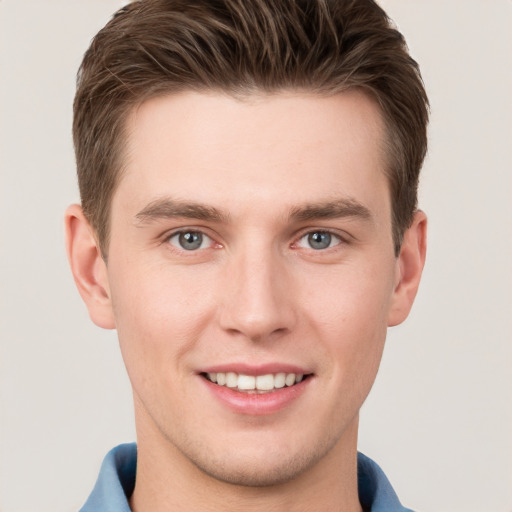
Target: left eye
x: 190, y: 240
x: 319, y: 240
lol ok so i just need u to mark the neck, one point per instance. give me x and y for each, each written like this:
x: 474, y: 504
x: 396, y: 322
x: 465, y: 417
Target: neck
x: 167, y: 481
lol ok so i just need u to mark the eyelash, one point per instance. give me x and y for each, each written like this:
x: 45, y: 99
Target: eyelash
x: 181, y: 232
x: 332, y: 234
x: 339, y: 240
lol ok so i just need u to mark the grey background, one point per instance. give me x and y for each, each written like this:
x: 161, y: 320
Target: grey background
x: 439, y: 419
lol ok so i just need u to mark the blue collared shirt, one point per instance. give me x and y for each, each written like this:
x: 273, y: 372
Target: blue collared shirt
x: 116, y: 482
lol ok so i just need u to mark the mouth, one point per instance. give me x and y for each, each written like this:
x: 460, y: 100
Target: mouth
x: 255, y: 384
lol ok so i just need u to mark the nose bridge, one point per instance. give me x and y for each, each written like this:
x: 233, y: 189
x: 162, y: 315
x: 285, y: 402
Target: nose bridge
x: 257, y: 301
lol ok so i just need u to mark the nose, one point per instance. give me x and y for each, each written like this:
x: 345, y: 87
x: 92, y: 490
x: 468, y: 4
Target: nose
x: 257, y: 301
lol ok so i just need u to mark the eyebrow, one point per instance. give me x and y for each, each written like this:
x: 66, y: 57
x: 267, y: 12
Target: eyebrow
x: 166, y: 208
x: 336, y: 209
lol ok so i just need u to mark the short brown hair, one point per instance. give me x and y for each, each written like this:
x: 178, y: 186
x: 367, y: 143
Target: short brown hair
x: 156, y: 47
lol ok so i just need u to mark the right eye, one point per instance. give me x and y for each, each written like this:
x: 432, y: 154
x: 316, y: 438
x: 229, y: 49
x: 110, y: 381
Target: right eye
x: 190, y: 240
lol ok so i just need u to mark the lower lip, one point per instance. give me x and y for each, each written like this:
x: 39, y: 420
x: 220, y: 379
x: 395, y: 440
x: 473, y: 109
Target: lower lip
x: 257, y: 403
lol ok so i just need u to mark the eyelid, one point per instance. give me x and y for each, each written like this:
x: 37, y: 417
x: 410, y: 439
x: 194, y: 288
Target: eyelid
x: 205, y: 240
x: 343, y: 237
x: 168, y: 235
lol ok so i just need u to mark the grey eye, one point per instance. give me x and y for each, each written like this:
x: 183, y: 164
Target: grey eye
x: 189, y: 240
x: 319, y: 240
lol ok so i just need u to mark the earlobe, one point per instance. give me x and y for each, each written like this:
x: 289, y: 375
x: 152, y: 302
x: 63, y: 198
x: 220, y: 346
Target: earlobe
x: 410, y: 266
x: 88, y: 267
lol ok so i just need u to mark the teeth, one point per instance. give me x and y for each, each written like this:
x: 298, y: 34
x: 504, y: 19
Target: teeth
x: 260, y: 383
x: 231, y: 380
x: 280, y: 380
x: 289, y: 379
x: 246, y: 382
x: 265, y: 382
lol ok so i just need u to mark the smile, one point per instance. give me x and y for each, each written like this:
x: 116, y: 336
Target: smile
x: 255, y: 383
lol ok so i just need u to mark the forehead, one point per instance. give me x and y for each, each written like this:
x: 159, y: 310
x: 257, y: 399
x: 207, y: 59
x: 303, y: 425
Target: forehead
x: 282, y: 148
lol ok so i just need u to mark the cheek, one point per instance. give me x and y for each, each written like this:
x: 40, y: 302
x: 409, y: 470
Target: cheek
x: 159, y: 317
x: 353, y: 296
x: 350, y: 316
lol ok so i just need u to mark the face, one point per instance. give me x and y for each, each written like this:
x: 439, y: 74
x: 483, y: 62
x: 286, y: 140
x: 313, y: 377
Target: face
x: 252, y: 277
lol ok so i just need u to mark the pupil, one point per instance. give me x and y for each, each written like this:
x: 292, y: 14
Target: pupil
x: 191, y: 240
x: 319, y: 240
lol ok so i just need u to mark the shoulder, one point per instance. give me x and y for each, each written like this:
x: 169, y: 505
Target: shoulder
x: 375, y: 491
x: 115, y: 482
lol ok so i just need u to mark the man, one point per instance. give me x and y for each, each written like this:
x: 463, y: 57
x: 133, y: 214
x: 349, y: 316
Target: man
x: 248, y: 174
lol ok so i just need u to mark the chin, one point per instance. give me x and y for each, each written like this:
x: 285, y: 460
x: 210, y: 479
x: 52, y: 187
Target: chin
x: 262, y: 468
x: 248, y: 473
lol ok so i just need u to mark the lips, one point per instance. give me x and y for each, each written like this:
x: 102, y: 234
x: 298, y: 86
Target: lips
x: 263, y: 390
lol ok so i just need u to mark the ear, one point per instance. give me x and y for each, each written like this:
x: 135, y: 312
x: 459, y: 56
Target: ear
x: 410, y: 264
x: 88, y: 267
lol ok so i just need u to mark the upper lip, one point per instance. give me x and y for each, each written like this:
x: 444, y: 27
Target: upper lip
x: 260, y: 369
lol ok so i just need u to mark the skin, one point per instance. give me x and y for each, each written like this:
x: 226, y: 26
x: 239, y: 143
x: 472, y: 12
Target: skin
x: 274, y: 168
